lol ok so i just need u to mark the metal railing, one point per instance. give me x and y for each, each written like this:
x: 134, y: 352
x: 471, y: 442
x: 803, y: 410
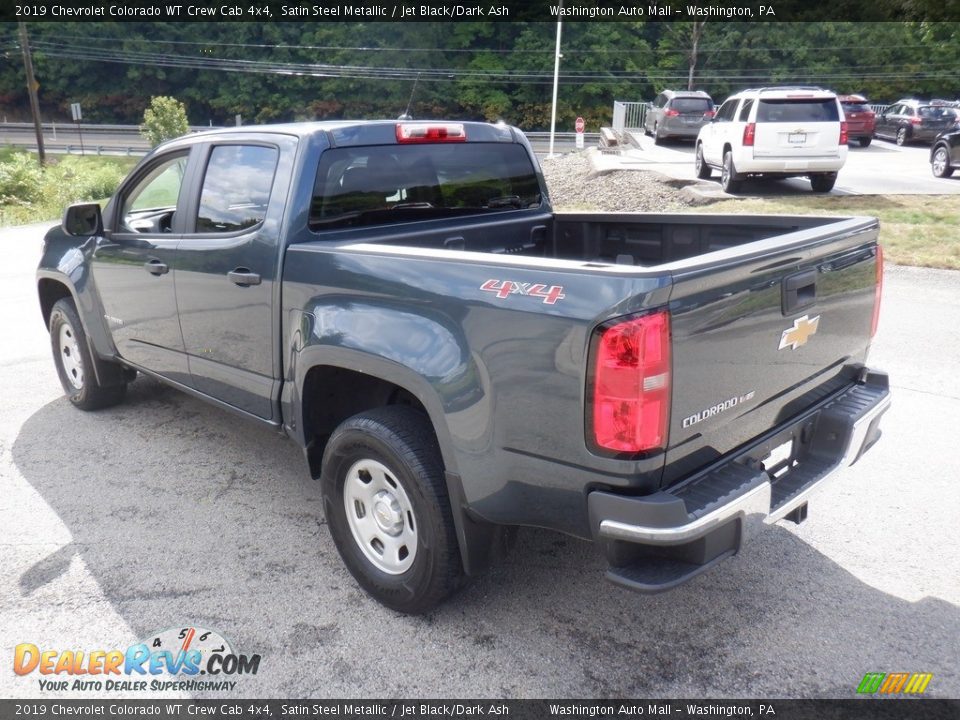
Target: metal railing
x: 628, y: 116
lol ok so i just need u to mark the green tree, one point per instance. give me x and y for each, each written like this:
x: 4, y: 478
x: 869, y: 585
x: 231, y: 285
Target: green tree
x: 165, y: 119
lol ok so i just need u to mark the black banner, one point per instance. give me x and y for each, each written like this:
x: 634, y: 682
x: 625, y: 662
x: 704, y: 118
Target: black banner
x: 481, y: 10
x: 862, y: 709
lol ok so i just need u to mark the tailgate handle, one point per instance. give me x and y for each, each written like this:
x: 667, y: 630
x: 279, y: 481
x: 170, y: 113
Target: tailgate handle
x: 799, y: 292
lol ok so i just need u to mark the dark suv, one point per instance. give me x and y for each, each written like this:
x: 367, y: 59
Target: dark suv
x: 914, y: 120
x: 677, y: 114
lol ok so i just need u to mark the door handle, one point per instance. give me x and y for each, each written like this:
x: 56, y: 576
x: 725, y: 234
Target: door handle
x: 155, y: 267
x: 243, y: 277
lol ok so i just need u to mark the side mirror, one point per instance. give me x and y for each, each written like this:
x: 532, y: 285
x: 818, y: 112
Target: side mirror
x: 82, y: 220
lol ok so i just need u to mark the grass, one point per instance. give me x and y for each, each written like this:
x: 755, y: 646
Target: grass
x: 31, y: 194
x: 921, y: 230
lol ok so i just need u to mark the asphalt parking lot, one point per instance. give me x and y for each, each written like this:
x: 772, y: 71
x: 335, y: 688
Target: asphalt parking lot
x: 883, y: 168
x: 165, y: 512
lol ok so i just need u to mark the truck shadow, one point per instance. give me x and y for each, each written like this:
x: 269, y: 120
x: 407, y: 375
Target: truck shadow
x: 184, y: 515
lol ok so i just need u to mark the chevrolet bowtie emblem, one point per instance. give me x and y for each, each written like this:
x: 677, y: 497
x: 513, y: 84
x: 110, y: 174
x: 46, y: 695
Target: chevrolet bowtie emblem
x: 801, y: 331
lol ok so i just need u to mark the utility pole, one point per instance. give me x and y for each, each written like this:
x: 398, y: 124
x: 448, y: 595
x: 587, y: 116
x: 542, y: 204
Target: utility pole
x: 32, y: 90
x: 556, y: 82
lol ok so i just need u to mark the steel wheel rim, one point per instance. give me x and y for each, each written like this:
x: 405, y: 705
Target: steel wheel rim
x: 70, y: 357
x: 698, y: 161
x: 725, y: 174
x: 380, y: 516
x: 901, y: 136
x: 939, y: 161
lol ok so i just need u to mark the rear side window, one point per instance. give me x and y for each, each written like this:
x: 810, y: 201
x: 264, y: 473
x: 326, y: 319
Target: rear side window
x: 236, y: 188
x: 380, y: 185
x: 935, y: 112
x: 691, y: 105
x: 792, y: 110
x: 745, y: 111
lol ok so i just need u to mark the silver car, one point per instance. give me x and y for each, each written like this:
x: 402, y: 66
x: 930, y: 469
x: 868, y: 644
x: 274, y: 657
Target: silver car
x: 678, y: 114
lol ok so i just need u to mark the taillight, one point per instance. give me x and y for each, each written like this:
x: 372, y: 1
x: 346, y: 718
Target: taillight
x: 709, y: 114
x: 631, y: 384
x: 430, y: 132
x: 877, y: 292
x: 916, y: 121
x: 844, y: 134
x: 671, y: 113
x: 749, y: 132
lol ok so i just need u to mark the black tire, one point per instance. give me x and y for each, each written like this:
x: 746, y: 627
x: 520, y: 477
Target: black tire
x: 902, y: 136
x: 940, y: 163
x: 865, y: 141
x: 71, y: 354
x: 657, y: 140
x: 823, y: 182
x: 417, y: 562
x: 729, y: 178
x: 703, y: 170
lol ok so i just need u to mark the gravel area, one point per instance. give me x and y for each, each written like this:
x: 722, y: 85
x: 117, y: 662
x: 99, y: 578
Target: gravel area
x: 575, y: 185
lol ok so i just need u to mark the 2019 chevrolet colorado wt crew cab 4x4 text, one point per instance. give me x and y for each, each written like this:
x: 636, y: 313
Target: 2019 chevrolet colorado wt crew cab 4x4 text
x: 456, y: 359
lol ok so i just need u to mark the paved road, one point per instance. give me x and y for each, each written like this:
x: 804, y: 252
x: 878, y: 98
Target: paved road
x: 164, y: 512
x: 883, y: 168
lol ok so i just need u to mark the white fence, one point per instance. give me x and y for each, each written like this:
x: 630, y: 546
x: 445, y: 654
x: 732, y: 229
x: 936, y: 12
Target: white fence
x: 628, y: 116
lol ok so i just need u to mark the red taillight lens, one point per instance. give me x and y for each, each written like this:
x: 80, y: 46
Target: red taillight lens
x: 709, y: 114
x: 844, y: 134
x: 749, y: 133
x: 631, y: 384
x: 878, y: 292
x: 430, y: 133
x: 671, y: 113
x: 916, y: 121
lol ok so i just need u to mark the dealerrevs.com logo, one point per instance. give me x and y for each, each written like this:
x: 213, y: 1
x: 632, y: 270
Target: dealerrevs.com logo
x: 189, y: 659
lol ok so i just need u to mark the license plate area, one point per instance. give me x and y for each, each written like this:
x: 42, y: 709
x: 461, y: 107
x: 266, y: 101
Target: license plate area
x: 779, y: 461
x: 797, y: 138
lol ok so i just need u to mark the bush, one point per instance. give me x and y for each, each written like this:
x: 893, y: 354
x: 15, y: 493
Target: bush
x: 165, y: 119
x: 21, y: 179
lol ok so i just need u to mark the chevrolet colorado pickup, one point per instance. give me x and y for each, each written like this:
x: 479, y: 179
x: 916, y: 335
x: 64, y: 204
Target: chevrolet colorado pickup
x: 457, y: 360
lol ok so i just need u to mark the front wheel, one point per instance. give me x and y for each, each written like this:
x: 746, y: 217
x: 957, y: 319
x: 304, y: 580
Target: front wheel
x: 729, y: 179
x: 74, y: 362
x: 941, y: 163
x: 388, y: 511
x: 701, y: 166
x: 823, y: 183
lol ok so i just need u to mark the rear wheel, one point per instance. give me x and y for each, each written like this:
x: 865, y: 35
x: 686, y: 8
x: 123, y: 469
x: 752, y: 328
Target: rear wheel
x: 703, y: 170
x: 865, y: 141
x: 74, y: 362
x: 729, y: 179
x: 941, y: 163
x: 823, y: 183
x: 657, y: 139
x: 902, y: 137
x: 387, y: 508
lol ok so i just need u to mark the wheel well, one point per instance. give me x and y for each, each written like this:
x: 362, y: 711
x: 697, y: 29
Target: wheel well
x: 727, y: 147
x: 51, y: 291
x: 333, y: 394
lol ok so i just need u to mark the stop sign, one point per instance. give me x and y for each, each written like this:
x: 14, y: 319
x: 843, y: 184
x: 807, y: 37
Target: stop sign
x: 579, y: 125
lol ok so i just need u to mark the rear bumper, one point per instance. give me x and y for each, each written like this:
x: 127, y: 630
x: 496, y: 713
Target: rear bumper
x: 659, y: 541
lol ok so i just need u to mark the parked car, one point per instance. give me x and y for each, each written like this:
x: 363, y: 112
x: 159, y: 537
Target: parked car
x: 678, y: 114
x: 913, y: 120
x: 860, y: 118
x: 945, y: 154
x: 775, y: 132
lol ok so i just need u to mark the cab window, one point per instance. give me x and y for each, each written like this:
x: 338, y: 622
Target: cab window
x: 236, y: 188
x: 149, y: 206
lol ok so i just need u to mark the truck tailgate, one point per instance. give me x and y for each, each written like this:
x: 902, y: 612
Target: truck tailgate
x: 762, y: 331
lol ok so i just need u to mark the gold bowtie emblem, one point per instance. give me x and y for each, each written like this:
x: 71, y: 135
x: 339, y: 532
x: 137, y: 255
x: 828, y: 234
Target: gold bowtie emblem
x: 803, y: 328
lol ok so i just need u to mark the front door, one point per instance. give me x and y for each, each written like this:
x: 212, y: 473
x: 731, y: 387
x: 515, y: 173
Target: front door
x: 132, y: 268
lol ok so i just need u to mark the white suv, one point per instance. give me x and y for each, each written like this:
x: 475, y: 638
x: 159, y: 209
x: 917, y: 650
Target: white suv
x: 777, y: 132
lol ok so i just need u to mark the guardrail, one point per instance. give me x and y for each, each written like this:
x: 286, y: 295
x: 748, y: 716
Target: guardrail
x: 628, y: 116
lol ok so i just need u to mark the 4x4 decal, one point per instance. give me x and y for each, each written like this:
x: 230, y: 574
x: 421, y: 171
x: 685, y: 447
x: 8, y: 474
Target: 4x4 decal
x: 505, y: 288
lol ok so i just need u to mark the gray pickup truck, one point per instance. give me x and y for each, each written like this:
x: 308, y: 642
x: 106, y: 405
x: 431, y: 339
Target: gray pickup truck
x: 457, y: 360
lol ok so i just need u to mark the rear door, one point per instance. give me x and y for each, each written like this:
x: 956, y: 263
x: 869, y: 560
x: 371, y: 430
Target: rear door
x: 758, y: 337
x: 226, y: 269
x: 797, y: 126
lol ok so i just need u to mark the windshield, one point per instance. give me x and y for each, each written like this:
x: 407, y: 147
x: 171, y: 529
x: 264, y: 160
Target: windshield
x: 379, y: 185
